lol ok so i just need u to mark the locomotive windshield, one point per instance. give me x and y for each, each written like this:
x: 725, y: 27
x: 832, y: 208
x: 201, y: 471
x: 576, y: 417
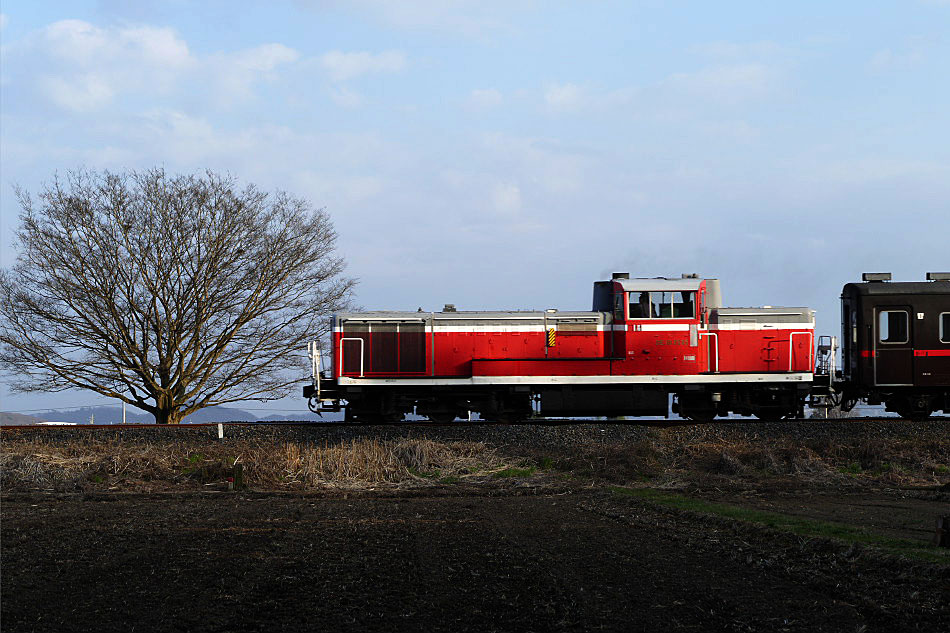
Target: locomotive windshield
x: 662, y: 305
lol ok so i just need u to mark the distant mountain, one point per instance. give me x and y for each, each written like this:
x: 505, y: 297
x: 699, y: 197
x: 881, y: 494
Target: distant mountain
x: 18, y: 419
x: 303, y: 416
x: 99, y: 415
x: 113, y: 415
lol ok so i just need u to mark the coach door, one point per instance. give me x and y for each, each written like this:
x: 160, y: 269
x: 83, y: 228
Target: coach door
x: 893, y: 346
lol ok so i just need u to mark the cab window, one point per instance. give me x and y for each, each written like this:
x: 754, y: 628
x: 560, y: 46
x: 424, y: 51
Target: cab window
x: 662, y: 304
x: 945, y: 327
x: 684, y: 305
x: 639, y: 305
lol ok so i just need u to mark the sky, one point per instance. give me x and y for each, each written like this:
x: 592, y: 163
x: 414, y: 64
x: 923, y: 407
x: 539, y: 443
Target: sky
x: 507, y: 154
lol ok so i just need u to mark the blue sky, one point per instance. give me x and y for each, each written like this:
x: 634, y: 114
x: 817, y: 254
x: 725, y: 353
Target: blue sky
x: 506, y: 154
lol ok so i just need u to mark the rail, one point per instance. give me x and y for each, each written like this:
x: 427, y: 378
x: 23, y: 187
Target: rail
x: 172, y: 428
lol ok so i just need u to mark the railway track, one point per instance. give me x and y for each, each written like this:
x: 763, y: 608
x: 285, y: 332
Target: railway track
x: 460, y: 423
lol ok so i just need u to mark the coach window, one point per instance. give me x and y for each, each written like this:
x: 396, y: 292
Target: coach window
x: 945, y: 327
x: 639, y: 305
x: 684, y: 306
x: 892, y: 326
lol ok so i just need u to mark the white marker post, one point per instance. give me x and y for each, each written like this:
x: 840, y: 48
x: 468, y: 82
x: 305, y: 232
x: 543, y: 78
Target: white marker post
x: 220, y: 431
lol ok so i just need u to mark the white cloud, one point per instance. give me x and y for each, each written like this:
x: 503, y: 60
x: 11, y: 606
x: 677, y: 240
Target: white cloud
x: 472, y: 18
x: 346, y: 98
x: 725, y: 50
x: 340, y: 189
x: 569, y: 97
x: 237, y: 72
x: 78, y: 43
x: 563, y: 96
x: 485, y: 99
x: 869, y: 170
x: 81, y: 92
x: 156, y: 46
x: 888, y: 60
x: 548, y: 166
x: 3, y: 20
x: 79, y: 66
x: 342, y: 66
x: 727, y: 83
x: 731, y: 131
x: 506, y: 198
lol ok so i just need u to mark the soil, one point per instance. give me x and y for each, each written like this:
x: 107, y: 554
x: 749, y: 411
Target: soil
x: 577, y: 560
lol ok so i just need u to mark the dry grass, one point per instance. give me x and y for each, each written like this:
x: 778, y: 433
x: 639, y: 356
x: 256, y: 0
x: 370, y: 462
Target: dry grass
x: 111, y: 464
x: 665, y: 460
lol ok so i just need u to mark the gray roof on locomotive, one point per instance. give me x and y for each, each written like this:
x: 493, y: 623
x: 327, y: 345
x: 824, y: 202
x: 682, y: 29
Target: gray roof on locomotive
x: 463, y: 315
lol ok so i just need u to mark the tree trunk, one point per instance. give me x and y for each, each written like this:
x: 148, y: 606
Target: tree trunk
x: 168, y: 416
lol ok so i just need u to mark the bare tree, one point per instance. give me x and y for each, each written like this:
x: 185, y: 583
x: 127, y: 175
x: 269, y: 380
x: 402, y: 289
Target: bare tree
x: 169, y: 293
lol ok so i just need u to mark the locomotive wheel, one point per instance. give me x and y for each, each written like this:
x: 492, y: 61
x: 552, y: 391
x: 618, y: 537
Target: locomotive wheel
x: 698, y: 407
x: 699, y: 415
x: 773, y: 415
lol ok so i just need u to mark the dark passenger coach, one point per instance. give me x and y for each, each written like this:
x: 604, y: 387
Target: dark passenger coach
x: 896, y: 344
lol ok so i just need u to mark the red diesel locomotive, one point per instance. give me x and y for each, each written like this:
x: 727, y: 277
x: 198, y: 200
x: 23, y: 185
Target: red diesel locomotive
x: 644, y: 341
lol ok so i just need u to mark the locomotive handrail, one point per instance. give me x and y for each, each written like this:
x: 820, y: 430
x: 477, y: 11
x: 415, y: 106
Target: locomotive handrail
x: 351, y: 338
x: 313, y: 350
x: 716, y: 337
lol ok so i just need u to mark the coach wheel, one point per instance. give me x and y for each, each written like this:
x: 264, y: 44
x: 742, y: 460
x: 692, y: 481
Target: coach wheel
x: 911, y: 408
x: 704, y: 415
x: 773, y: 414
x: 441, y: 417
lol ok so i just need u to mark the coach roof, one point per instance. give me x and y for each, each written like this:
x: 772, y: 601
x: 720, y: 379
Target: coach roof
x: 898, y: 288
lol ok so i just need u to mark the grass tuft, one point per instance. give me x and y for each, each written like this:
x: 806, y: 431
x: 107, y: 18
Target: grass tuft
x: 792, y: 524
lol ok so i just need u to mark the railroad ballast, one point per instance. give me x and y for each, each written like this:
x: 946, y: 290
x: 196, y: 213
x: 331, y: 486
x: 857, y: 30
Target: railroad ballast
x: 643, y: 341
